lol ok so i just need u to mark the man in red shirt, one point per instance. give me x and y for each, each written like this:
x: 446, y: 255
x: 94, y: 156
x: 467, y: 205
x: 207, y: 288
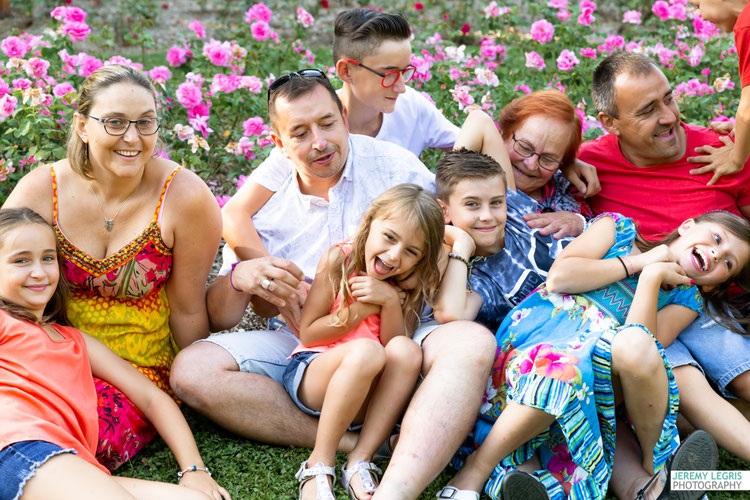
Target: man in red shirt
x: 644, y: 174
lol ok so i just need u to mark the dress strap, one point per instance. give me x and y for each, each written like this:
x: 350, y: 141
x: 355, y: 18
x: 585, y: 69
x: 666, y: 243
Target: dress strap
x: 159, y: 207
x: 54, y: 194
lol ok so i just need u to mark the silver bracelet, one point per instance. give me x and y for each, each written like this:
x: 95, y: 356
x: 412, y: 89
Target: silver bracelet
x: 193, y: 468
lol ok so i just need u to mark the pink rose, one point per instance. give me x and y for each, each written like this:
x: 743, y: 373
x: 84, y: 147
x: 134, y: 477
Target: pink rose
x: 588, y: 52
x: 88, y: 64
x: 260, y: 30
x: 534, y: 60
x: 197, y: 28
x: 21, y: 83
x: 13, y: 46
x: 563, y: 15
x: 4, y: 87
x: 74, y: 14
x: 567, y: 60
x: 77, y: 31
x: 557, y: 4
x: 523, y: 88
x: 219, y: 53
x: 177, y: 56
x: 254, y: 126
x: 36, y: 67
x: 62, y: 89
x: 124, y: 61
x: 160, y: 74
x: 251, y: 83
x: 8, y: 104
x: 661, y: 9
x: 224, y: 83
x: 258, y: 12
x: 632, y: 17
x: 189, y: 95
x: 304, y: 18
x: 542, y: 31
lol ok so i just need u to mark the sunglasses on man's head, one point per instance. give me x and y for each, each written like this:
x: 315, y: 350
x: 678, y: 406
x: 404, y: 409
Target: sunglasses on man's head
x: 303, y: 73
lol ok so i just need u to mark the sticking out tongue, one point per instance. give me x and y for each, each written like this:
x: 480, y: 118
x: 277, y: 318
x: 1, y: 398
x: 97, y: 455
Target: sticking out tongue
x: 381, y: 267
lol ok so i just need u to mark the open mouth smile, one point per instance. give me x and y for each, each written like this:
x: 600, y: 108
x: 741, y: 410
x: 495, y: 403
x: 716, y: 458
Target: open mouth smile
x: 701, y: 260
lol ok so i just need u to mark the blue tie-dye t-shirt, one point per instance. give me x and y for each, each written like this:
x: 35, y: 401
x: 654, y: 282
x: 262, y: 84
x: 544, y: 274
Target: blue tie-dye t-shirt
x: 506, y: 278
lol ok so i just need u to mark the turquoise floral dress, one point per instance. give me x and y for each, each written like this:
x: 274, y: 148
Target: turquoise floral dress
x: 554, y: 354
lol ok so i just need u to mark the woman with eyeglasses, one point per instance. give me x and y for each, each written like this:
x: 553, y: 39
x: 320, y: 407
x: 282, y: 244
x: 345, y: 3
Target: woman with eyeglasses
x: 541, y: 133
x: 137, y: 234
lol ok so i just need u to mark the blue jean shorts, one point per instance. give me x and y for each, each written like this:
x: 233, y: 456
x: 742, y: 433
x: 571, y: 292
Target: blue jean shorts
x: 262, y: 352
x: 19, y: 462
x: 292, y: 379
x: 295, y: 370
x: 719, y: 353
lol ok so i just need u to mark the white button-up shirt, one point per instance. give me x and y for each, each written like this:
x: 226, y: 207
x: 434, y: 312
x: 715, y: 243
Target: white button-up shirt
x: 301, y: 227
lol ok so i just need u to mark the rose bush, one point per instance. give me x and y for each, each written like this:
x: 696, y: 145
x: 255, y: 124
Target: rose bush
x: 212, y: 85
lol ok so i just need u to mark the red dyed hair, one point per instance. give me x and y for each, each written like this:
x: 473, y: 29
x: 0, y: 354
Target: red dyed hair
x: 549, y: 104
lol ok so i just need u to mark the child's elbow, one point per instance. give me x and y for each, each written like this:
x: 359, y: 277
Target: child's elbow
x: 442, y: 316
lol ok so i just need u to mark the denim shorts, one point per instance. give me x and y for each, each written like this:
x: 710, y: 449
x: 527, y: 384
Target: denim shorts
x: 295, y: 370
x: 721, y: 354
x: 19, y: 462
x: 262, y: 352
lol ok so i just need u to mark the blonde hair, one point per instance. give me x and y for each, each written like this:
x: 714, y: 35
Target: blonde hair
x: 410, y: 203
x: 102, y: 78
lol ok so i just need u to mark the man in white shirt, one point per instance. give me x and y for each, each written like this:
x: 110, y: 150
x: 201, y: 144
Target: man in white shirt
x: 233, y: 378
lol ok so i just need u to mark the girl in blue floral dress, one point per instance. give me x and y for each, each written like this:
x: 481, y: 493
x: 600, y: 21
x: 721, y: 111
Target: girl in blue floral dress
x: 567, y: 356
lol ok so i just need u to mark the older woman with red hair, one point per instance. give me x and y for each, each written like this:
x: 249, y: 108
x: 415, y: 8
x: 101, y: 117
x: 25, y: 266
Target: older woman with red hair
x: 541, y: 133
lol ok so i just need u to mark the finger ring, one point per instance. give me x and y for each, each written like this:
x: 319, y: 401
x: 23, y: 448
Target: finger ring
x: 265, y: 283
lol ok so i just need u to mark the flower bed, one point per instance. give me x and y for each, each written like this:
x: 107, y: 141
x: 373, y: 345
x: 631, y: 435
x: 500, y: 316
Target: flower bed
x: 212, y: 84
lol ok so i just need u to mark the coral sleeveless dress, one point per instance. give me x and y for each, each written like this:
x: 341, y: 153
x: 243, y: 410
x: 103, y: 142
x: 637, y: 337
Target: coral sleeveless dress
x: 122, y: 301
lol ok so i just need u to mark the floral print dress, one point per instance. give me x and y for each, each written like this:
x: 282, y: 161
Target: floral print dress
x: 554, y: 353
x: 122, y: 301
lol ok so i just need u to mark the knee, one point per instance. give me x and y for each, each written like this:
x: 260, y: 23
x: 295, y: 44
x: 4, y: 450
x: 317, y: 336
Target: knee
x: 634, y: 353
x: 403, y: 352
x: 193, y: 373
x: 366, y: 357
x: 462, y: 343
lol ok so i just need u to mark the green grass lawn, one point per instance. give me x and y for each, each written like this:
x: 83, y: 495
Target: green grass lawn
x: 250, y: 470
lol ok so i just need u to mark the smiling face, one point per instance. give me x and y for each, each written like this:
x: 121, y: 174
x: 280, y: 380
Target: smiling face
x: 314, y: 134
x: 393, y: 248
x: 123, y: 155
x: 390, y: 55
x: 709, y: 253
x: 478, y: 207
x: 648, y: 129
x: 28, y: 267
x: 547, y: 137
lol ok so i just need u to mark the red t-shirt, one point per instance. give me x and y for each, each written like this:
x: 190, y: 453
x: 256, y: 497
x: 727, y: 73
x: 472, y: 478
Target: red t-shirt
x: 46, y: 388
x: 742, y: 42
x: 661, y: 197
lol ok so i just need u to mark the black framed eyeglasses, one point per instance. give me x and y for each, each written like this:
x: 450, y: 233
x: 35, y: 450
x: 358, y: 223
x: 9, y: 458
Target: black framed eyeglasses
x: 389, y: 79
x: 115, y: 125
x: 526, y: 150
x: 284, y: 79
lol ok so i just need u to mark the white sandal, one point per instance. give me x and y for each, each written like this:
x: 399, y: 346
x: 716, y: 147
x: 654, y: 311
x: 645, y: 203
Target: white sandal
x: 368, y: 477
x: 451, y: 492
x: 319, y: 471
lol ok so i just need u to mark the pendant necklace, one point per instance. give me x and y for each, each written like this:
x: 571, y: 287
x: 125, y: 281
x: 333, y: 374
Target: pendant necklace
x: 109, y: 223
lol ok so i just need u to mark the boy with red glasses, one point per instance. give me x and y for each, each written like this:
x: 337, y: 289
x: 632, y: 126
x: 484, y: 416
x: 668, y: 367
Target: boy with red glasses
x: 372, y: 53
